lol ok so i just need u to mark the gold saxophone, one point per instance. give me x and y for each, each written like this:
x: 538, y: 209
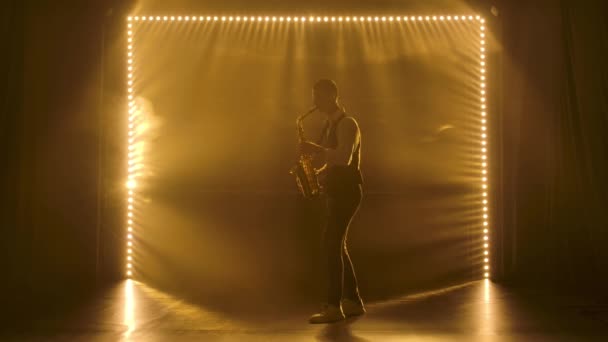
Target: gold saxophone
x: 306, y: 176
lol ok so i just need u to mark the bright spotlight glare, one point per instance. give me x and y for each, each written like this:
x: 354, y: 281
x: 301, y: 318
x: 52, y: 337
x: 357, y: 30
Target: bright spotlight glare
x: 131, y: 184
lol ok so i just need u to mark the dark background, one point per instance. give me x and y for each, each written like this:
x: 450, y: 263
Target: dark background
x: 62, y: 173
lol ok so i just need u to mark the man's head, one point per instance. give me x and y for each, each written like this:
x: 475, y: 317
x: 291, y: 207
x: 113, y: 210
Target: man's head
x: 325, y: 95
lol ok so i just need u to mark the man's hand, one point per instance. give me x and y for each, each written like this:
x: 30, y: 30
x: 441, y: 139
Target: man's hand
x: 321, y: 174
x: 307, y: 147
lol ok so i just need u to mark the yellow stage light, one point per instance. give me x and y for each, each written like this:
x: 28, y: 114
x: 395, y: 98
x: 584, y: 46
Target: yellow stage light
x: 131, y: 184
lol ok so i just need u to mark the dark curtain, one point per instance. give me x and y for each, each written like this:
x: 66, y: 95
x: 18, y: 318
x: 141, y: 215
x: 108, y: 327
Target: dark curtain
x: 11, y: 133
x: 53, y: 239
x: 553, y: 189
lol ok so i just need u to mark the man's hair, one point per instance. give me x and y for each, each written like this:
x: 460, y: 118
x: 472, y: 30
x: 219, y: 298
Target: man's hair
x: 326, y: 86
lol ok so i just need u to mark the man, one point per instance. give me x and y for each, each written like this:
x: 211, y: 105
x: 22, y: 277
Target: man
x: 340, y: 147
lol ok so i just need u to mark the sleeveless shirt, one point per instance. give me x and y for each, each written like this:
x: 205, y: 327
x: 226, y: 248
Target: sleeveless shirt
x: 341, y: 177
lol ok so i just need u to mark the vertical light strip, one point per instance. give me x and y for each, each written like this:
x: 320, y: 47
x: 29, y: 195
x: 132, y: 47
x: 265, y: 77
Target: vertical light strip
x: 131, y: 182
x: 484, y: 148
x: 135, y: 156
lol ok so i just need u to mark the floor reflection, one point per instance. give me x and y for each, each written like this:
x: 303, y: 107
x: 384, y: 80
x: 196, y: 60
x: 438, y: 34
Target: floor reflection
x: 129, y: 307
x: 486, y: 321
x: 478, y: 311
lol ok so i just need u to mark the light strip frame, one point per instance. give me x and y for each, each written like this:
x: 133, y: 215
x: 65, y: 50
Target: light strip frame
x: 223, y: 19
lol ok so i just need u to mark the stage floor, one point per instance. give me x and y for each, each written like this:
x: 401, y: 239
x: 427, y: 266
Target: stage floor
x: 477, y: 311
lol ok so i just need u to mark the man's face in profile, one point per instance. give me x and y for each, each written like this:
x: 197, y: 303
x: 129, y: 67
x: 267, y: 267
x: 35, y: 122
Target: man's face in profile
x: 322, y: 99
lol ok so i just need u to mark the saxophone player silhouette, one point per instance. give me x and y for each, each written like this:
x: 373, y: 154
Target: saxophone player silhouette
x: 342, y: 183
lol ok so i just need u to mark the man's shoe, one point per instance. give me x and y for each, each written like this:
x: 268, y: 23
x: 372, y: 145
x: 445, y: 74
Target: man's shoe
x: 329, y: 313
x: 352, y: 307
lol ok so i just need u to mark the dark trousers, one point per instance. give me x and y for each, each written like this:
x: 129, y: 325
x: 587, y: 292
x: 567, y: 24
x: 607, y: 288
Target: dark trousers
x: 341, y: 207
